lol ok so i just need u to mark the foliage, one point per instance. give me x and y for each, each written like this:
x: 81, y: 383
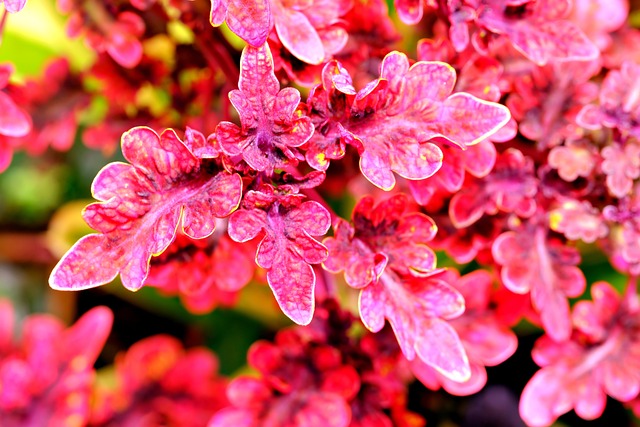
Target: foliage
x: 507, y: 149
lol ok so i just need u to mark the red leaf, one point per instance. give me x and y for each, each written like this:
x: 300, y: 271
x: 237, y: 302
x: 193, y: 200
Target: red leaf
x: 272, y: 127
x: 381, y: 236
x: 391, y: 119
x: 140, y: 207
x: 287, y: 249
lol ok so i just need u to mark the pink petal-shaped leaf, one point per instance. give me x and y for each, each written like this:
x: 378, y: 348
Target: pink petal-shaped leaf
x: 248, y: 19
x: 387, y: 236
x: 287, y: 249
x: 140, y: 207
x: 298, y: 35
x: 237, y: 417
x: 13, y: 121
x: 541, y: 37
x: 539, y: 404
x: 409, y: 11
x: 509, y: 187
x: 7, y: 319
x: 621, y: 381
x: 83, y: 342
x: 323, y: 410
x: 271, y: 127
x: 439, y: 346
x: 293, y: 281
x: 391, y: 120
x: 14, y: 6
x: 416, y: 307
x: 531, y: 263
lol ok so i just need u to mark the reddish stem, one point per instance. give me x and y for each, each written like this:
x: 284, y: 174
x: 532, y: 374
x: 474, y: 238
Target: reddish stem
x: 218, y: 57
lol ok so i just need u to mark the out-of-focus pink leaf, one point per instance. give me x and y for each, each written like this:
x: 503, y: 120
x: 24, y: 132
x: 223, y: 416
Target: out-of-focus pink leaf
x: 7, y: 323
x: 13, y: 120
x: 619, y: 102
x: 205, y: 273
x: 248, y: 19
x: 578, y: 221
x: 600, y: 359
x: 486, y: 341
x: 14, y: 6
x: 621, y: 164
x: 287, y: 249
x: 510, y: 187
x: 417, y: 309
x: 298, y: 35
x: 546, y: 102
x: 84, y: 340
x: 409, y: 11
x: 538, y: 29
x: 573, y: 160
x: 140, y: 207
x: 531, y: 263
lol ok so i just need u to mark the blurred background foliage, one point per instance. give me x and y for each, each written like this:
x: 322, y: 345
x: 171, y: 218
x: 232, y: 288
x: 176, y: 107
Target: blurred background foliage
x: 41, y: 199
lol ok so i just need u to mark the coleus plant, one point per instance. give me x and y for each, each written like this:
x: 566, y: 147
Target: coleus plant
x: 510, y: 140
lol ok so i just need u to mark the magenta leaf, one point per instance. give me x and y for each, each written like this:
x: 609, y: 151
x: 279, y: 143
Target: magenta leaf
x: 546, y: 103
x: 298, y: 35
x: 486, y: 341
x: 311, y: 30
x: 248, y: 19
x: 600, y: 359
x: 417, y: 309
x: 578, y: 220
x: 287, y: 249
x: 409, y: 11
x: 382, y: 236
x: 621, y: 164
x: 619, y: 102
x: 13, y: 120
x: 538, y: 29
x: 14, y: 6
x: 140, y: 206
x: 547, y: 269
x: 391, y: 119
x: 572, y: 160
x: 510, y: 187
x: 272, y: 127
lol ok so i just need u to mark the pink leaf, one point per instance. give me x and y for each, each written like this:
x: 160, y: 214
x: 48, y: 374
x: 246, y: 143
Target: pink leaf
x: 538, y: 30
x: 510, y: 187
x: 84, y: 340
x: 600, y: 357
x: 531, y: 263
x: 287, y: 249
x: 298, y: 35
x: 271, y: 128
x: 416, y: 307
x: 248, y: 19
x: 381, y: 236
x: 7, y: 320
x: 14, y: 6
x: 391, y: 120
x: 13, y: 120
x: 140, y: 207
x: 409, y: 11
